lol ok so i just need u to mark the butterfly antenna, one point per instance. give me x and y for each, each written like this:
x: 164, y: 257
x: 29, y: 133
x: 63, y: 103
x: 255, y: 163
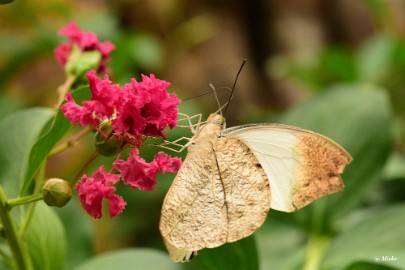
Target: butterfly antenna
x: 207, y: 93
x: 234, y: 84
x: 216, y: 98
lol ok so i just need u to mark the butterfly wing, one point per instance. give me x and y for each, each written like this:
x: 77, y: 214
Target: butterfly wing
x: 301, y: 165
x: 221, y: 194
x: 192, y: 214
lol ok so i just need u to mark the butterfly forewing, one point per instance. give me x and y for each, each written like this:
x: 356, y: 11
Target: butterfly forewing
x: 221, y: 194
x: 193, y: 212
x: 301, y: 165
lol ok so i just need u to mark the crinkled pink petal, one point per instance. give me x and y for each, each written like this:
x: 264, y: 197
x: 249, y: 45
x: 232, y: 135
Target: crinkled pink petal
x: 116, y: 205
x: 62, y: 53
x: 82, y: 38
x: 129, y: 119
x: 157, y: 108
x: 105, y: 96
x: 166, y: 163
x: 136, y: 172
x: 106, y: 48
x: 92, y: 190
x: 78, y: 114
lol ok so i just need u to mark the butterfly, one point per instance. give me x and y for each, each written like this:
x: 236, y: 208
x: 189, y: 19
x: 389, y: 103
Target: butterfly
x: 231, y: 177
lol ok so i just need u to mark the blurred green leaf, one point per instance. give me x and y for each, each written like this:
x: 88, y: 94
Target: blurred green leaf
x: 336, y: 64
x: 19, y: 132
x: 374, y: 58
x: 369, y: 266
x: 78, y: 227
x: 134, y: 259
x: 359, y: 118
x: 240, y: 255
x: 9, y: 105
x: 45, y: 144
x: 138, y: 51
x: 46, y: 239
x: 371, y: 235
x: 280, y: 244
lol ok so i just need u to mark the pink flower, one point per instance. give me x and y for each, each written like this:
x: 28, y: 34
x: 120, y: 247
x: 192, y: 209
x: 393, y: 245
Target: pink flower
x: 147, y: 108
x: 87, y: 41
x: 139, y: 174
x: 92, y: 190
x: 133, y: 112
x: 105, y: 97
x: 137, y: 109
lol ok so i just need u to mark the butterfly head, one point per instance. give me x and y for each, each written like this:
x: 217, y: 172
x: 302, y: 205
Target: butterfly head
x: 216, y: 119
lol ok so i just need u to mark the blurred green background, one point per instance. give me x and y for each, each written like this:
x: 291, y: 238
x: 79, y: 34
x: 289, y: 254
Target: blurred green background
x: 335, y: 67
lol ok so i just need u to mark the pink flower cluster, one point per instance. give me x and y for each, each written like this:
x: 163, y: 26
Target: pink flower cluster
x: 136, y: 110
x: 87, y: 41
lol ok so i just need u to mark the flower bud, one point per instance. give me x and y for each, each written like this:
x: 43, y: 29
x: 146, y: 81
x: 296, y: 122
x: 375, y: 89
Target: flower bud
x: 107, y: 144
x: 56, y: 192
x: 80, y: 62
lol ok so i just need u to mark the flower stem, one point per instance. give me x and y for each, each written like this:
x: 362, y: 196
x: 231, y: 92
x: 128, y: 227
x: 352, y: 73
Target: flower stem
x: 64, y: 89
x: 77, y: 177
x: 17, y: 246
x: 23, y: 200
x: 71, y: 142
x: 39, y: 180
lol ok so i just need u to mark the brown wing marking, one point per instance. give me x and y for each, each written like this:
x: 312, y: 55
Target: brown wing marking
x: 321, y: 163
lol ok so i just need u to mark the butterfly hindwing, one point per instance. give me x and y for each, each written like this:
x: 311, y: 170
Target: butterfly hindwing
x: 245, y: 185
x: 301, y: 165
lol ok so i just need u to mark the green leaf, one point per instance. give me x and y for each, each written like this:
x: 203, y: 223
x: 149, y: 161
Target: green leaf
x: 369, y: 266
x: 45, y: 144
x: 375, y: 235
x: 79, y: 228
x: 46, y: 239
x: 19, y: 132
x: 134, y: 259
x: 359, y: 118
x: 240, y: 255
x: 280, y: 244
x: 374, y: 59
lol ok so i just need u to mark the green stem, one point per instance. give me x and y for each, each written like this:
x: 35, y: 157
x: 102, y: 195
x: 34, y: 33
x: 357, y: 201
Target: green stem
x: 17, y: 246
x: 316, y: 248
x: 23, y: 200
x: 77, y: 177
x: 319, y: 241
x: 71, y: 142
x: 39, y: 181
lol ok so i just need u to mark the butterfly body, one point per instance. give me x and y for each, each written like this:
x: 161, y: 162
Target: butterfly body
x: 232, y: 177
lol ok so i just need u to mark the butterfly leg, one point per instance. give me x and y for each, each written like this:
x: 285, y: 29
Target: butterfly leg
x: 176, y: 144
x: 191, y: 126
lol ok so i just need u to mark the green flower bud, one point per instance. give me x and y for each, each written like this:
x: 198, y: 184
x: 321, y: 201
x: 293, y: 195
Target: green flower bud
x: 80, y: 62
x: 56, y: 192
x: 107, y: 144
